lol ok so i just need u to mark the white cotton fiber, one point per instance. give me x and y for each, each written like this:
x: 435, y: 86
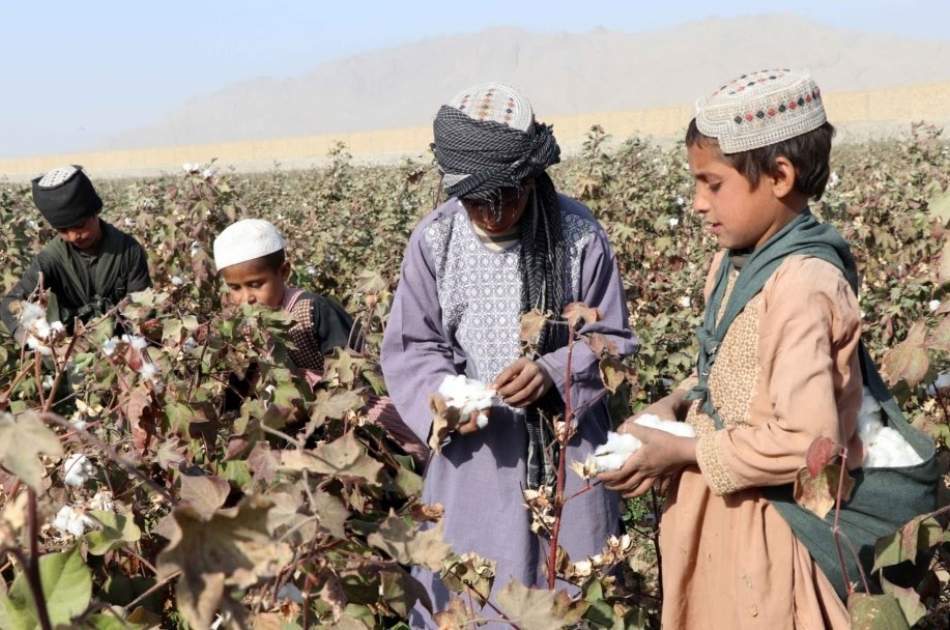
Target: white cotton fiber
x: 670, y: 426
x: 884, y: 447
x: 468, y: 395
x: 619, y: 446
x: 612, y: 454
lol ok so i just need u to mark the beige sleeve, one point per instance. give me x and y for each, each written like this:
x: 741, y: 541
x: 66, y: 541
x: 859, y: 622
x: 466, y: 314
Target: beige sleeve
x: 809, y: 330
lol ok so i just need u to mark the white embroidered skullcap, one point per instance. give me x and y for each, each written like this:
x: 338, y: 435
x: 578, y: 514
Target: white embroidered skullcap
x: 497, y: 102
x: 246, y: 240
x: 57, y: 176
x: 761, y: 108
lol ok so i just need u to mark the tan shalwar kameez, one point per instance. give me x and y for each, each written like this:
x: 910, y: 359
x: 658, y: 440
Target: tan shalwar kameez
x: 786, y: 373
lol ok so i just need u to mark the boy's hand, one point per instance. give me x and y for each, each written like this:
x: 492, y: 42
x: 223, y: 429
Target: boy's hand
x: 660, y: 455
x: 471, y: 424
x: 522, y: 383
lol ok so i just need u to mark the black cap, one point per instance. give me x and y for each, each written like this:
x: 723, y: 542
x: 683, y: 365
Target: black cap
x: 66, y: 197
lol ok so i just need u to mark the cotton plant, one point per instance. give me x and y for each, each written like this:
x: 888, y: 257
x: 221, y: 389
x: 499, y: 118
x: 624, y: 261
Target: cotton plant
x: 884, y: 447
x: 468, y: 395
x: 620, y: 446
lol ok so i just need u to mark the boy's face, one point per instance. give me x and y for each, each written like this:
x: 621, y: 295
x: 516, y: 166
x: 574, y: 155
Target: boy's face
x: 738, y: 215
x: 85, y: 236
x: 512, y: 202
x: 256, y: 282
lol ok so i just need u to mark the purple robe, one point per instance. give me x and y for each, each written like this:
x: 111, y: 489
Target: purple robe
x: 456, y: 311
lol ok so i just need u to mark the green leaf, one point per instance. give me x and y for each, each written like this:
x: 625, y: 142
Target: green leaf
x: 400, y: 591
x: 940, y: 336
x: 409, y: 482
x: 23, y: 438
x: 943, y: 272
x: 875, y: 612
x: 903, y: 545
x: 913, y: 609
x: 530, y: 608
x: 179, y: 416
x: 204, y: 493
x: 112, y: 621
x: 344, y: 457
x: 237, y: 471
x: 908, y: 360
x: 817, y: 494
x: 939, y: 206
x: 117, y: 530
x: 410, y: 545
x: 67, y: 589
x: 232, y: 548
x: 171, y: 330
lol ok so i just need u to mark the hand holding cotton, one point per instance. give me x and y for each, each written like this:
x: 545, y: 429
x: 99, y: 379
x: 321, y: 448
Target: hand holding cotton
x: 468, y: 396
x: 620, y: 446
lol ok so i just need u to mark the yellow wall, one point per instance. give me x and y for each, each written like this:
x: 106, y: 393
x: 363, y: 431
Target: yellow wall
x: 929, y: 102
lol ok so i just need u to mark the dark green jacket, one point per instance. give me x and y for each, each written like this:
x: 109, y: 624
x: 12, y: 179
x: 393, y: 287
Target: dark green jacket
x: 83, y: 285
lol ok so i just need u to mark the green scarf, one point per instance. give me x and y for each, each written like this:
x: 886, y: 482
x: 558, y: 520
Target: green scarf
x: 883, y: 499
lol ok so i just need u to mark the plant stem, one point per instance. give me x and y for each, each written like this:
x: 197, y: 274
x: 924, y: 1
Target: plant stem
x: 562, y: 439
x: 59, y: 374
x: 38, y: 377
x: 33, y: 566
x: 158, y: 585
x: 5, y: 397
x: 655, y: 536
x: 835, y: 530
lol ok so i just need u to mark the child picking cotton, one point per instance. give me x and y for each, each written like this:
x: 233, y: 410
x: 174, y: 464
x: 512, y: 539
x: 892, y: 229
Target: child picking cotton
x: 780, y: 365
x: 251, y: 258
x: 504, y: 243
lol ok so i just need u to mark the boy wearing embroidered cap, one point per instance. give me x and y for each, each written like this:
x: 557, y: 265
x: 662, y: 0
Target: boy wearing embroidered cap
x: 90, y: 266
x: 780, y: 365
x: 250, y: 256
x: 251, y: 259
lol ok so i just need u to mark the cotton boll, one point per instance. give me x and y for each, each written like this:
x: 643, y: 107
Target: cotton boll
x: 109, y: 346
x: 71, y: 521
x: 620, y: 446
x: 138, y: 343
x: 869, y: 419
x: 149, y: 371
x: 619, y: 443
x: 30, y: 313
x: 77, y: 469
x: 889, y: 449
x: 884, y: 447
x: 467, y: 395
x: 680, y: 429
x: 102, y: 501
x: 35, y: 344
x: 608, y: 462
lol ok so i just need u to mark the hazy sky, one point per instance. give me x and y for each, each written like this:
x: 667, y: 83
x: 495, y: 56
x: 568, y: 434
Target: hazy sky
x: 76, y: 73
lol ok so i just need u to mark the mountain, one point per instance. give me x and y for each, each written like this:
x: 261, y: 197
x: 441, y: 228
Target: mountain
x: 562, y: 74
